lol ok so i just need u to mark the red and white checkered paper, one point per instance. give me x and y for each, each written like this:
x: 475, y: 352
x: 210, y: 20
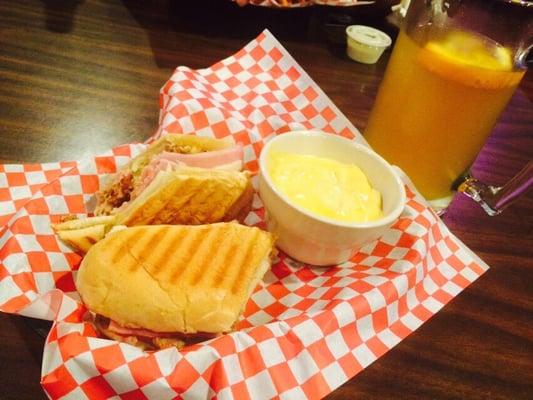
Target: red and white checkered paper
x: 305, y: 330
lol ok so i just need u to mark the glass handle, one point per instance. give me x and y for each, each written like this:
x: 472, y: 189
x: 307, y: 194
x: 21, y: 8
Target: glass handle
x: 494, y: 199
x: 525, y: 57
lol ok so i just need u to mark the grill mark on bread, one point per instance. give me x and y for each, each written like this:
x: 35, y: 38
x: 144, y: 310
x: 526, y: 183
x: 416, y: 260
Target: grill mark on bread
x: 218, y: 257
x: 230, y: 275
x: 222, y: 201
x: 198, y: 201
x: 234, y: 279
x: 218, y: 274
x: 134, y: 219
x: 241, y: 205
x: 151, y: 246
x: 204, y: 254
x: 118, y: 253
x: 187, y: 247
x: 133, y: 242
x: 148, y: 213
x: 179, y: 195
x: 194, y: 187
x: 161, y: 206
x: 169, y: 245
x: 246, y: 262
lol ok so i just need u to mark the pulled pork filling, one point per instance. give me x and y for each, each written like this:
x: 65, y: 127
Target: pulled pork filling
x: 145, y: 338
x: 115, y: 194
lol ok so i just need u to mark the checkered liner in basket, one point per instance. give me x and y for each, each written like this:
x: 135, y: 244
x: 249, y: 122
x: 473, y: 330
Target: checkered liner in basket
x: 305, y: 330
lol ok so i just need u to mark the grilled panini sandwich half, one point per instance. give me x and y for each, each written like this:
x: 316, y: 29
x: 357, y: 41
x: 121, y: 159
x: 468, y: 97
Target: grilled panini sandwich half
x: 169, y: 153
x: 165, y: 285
x: 179, y: 179
x: 190, y: 196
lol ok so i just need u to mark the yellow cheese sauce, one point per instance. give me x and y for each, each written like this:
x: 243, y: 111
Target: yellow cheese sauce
x: 325, y: 187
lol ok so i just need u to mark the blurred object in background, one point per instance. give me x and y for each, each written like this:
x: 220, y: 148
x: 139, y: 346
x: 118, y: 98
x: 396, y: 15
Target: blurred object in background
x: 306, y: 3
x: 402, y: 7
x: 295, y: 3
x: 398, y: 12
x: 374, y: 14
x: 165, y: 21
x: 330, y: 23
x: 366, y: 44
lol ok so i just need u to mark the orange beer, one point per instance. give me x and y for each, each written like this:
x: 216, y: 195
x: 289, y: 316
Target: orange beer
x: 437, y: 104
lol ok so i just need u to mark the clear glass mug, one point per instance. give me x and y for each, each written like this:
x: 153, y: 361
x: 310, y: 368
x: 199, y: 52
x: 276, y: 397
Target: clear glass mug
x: 454, y: 67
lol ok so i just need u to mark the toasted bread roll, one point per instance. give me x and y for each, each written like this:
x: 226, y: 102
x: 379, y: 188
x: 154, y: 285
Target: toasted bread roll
x: 169, y: 279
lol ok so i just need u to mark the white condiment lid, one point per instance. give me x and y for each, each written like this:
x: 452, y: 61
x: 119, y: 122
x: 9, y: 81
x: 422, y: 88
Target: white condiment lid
x: 368, y: 35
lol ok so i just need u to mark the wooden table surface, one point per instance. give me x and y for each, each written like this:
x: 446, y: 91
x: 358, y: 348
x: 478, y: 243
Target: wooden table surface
x: 85, y: 76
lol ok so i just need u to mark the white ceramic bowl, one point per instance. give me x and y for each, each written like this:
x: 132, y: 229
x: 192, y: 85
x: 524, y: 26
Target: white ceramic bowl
x: 318, y: 240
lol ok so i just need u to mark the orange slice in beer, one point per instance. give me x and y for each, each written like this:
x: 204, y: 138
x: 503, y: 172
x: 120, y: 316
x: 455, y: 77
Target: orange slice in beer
x: 471, y: 61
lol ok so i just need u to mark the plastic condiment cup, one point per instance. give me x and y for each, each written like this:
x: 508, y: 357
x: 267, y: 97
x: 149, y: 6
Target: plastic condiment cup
x: 366, y: 44
x: 315, y: 239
